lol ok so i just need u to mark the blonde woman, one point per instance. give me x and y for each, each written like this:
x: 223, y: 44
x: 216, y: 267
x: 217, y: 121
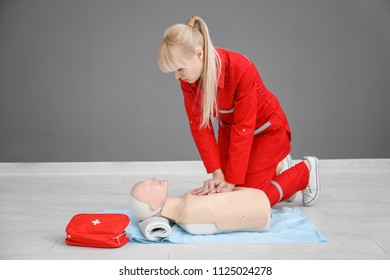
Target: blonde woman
x: 253, y: 132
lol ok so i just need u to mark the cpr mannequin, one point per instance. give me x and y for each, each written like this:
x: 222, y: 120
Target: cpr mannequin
x: 243, y: 209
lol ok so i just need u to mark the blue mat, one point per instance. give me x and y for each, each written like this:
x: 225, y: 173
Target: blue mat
x: 288, y: 225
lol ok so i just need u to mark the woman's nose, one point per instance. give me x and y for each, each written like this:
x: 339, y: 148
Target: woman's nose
x: 177, y: 75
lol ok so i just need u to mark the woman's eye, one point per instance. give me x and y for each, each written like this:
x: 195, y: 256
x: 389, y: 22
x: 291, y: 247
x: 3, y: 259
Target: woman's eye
x: 180, y: 69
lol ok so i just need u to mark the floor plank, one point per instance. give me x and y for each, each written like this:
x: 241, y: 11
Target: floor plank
x: 38, y: 199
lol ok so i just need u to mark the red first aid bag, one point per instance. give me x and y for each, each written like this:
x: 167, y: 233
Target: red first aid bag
x: 98, y: 230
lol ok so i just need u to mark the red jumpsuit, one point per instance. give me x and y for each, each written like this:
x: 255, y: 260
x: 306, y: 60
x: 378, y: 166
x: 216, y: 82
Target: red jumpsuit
x: 253, y: 132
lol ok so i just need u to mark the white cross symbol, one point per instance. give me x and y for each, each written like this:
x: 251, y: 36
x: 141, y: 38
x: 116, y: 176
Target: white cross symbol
x: 96, y: 222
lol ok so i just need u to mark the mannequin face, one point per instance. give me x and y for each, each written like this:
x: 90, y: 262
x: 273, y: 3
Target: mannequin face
x: 191, y: 68
x: 152, y: 192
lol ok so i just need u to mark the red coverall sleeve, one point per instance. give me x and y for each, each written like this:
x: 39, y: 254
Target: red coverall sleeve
x: 242, y: 131
x: 204, y: 138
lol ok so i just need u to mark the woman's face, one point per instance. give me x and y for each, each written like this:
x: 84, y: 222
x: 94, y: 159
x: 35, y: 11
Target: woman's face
x: 191, y: 68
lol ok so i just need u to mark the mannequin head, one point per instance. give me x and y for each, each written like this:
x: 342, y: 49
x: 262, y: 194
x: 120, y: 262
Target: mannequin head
x: 148, y: 197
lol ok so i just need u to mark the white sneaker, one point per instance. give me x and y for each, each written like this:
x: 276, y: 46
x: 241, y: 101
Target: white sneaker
x: 312, y: 191
x: 287, y: 163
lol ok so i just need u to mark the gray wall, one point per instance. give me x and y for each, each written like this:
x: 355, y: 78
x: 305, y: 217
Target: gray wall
x: 79, y: 80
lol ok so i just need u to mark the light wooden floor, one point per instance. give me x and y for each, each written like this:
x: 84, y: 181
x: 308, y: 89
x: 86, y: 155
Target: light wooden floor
x: 38, y: 199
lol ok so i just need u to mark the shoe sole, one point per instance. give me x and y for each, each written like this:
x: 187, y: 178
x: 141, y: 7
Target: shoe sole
x: 317, y: 183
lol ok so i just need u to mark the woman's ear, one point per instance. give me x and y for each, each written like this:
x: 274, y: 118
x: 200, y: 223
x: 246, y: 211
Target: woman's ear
x: 199, y: 53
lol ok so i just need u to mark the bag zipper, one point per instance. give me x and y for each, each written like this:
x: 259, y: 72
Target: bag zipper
x: 119, y: 236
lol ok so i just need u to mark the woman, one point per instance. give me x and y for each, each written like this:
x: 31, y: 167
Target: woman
x: 253, y: 132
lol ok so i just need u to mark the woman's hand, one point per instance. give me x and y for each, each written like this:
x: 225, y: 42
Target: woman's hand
x: 215, y: 185
x: 228, y: 188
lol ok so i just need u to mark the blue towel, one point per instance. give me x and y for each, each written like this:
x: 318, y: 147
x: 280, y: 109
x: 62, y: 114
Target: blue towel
x: 288, y: 225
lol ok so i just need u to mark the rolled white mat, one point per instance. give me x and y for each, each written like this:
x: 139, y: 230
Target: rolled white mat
x: 155, y: 228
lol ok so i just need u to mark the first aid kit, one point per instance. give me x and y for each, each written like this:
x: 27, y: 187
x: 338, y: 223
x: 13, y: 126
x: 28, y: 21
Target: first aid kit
x: 104, y: 230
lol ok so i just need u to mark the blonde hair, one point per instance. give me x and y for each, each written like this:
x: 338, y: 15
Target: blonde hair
x: 181, y: 40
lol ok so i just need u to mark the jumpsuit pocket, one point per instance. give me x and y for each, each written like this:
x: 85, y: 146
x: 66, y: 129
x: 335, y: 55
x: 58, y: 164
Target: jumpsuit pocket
x: 262, y: 128
x: 270, y: 145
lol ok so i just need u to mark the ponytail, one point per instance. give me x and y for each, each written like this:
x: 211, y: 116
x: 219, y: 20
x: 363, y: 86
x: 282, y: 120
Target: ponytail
x: 183, y: 39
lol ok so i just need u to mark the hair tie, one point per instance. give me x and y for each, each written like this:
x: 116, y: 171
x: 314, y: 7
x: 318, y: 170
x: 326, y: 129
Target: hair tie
x: 191, y: 22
